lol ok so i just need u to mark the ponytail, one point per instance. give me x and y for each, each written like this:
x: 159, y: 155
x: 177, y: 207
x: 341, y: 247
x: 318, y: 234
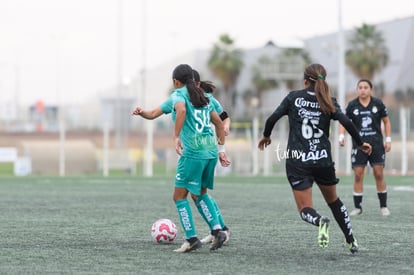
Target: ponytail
x: 207, y: 86
x: 197, y: 97
x: 316, y: 75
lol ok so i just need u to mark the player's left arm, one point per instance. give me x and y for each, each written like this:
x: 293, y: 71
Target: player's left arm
x: 218, y: 123
x: 387, y: 130
x: 226, y: 124
x: 180, y: 111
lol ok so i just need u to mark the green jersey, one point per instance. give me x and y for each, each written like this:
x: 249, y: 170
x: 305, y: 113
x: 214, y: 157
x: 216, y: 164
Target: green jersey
x: 197, y: 136
x: 167, y: 106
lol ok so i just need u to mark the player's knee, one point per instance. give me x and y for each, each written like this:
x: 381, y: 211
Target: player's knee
x: 194, y: 197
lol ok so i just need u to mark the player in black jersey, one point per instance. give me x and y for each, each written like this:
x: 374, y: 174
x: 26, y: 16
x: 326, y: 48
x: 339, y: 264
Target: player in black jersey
x: 367, y: 113
x: 308, y: 155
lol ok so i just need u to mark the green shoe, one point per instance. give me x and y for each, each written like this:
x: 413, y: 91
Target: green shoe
x: 353, y: 247
x: 323, y: 236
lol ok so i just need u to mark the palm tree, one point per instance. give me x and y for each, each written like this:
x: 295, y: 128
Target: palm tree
x: 368, y: 53
x: 226, y: 62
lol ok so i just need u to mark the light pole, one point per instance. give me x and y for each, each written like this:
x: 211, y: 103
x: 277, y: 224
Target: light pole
x: 59, y: 102
x: 254, y: 103
x: 148, y: 168
x: 117, y: 109
x: 341, y: 77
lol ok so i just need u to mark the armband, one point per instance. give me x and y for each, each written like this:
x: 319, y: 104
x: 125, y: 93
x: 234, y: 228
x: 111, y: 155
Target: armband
x: 221, y: 149
x: 388, y: 139
x: 224, y: 115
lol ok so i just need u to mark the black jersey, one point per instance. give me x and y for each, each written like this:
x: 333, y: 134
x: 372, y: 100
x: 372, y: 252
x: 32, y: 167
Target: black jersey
x: 308, y: 143
x: 368, y: 119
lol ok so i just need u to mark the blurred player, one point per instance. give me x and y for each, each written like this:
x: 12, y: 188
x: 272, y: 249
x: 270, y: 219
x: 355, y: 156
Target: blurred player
x: 367, y: 113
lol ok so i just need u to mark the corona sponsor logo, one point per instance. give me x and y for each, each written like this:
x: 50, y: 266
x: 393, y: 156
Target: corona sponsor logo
x: 301, y: 102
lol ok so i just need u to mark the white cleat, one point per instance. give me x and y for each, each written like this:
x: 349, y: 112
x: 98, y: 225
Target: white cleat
x: 356, y: 212
x: 187, y: 247
x: 226, y: 241
x: 385, y: 211
x: 207, y: 239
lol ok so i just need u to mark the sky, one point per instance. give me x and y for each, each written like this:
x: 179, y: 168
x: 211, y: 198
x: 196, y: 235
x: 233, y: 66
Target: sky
x: 69, y: 50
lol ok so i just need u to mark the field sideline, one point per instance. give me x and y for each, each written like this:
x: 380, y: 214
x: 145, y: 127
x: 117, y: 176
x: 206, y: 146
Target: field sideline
x: 95, y: 225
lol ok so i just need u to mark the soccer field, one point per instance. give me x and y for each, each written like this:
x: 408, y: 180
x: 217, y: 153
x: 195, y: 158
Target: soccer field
x: 80, y: 225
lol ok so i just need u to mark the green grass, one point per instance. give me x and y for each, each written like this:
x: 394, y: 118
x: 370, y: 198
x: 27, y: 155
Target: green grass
x: 6, y: 168
x: 83, y: 225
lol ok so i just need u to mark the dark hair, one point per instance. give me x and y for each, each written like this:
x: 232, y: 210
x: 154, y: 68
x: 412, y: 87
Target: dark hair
x: 316, y: 75
x: 184, y: 73
x: 196, y: 76
x: 206, y: 86
x: 365, y: 80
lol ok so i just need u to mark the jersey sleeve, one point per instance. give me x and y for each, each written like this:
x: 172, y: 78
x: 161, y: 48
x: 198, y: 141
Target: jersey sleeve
x: 216, y: 105
x: 176, y: 97
x: 167, y: 106
x: 383, y: 110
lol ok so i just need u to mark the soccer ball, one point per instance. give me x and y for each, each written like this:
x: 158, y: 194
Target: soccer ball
x: 163, y: 231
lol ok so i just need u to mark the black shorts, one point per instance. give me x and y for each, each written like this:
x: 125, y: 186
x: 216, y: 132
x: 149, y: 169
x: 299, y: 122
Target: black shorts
x: 360, y: 159
x: 301, y: 177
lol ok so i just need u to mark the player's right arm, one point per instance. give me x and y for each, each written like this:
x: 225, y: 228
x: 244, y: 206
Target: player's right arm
x: 165, y: 108
x: 148, y: 114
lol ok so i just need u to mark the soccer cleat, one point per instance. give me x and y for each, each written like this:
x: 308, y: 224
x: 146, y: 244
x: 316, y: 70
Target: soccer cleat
x: 353, y: 247
x: 385, y: 211
x: 218, y: 240
x: 228, y: 233
x: 207, y: 239
x: 356, y: 212
x: 187, y: 247
x: 323, y: 236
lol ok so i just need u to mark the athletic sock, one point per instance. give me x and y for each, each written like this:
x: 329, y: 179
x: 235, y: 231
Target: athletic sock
x: 217, y: 209
x: 208, y: 211
x: 358, y: 200
x: 200, y: 210
x: 341, y: 216
x: 218, y: 212
x: 186, y: 218
x: 310, y: 215
x: 382, y: 196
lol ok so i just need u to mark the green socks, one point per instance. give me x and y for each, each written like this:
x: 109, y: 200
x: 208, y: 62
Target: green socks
x: 186, y: 218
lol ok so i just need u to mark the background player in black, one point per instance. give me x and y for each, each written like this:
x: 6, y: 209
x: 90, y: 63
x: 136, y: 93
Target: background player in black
x: 367, y: 113
x: 309, y: 151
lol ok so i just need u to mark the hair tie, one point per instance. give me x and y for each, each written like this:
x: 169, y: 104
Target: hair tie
x: 320, y: 76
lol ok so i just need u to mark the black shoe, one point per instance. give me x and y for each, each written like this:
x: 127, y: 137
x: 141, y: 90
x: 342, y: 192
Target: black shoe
x: 219, y: 238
